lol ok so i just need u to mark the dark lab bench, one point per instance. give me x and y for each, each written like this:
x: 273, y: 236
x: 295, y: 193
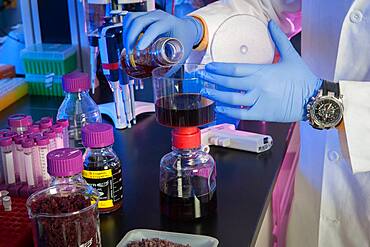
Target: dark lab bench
x: 244, y: 180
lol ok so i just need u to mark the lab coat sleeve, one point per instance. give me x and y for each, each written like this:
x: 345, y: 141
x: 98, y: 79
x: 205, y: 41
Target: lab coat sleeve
x: 285, y: 12
x: 356, y: 122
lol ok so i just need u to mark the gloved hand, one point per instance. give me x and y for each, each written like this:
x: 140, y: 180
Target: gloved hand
x: 267, y: 92
x: 158, y: 23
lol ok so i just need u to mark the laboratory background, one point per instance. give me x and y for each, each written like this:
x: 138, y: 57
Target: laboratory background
x: 104, y: 143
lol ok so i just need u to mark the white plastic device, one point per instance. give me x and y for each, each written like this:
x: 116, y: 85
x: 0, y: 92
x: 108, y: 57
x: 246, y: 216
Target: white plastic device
x: 225, y: 135
x: 110, y: 110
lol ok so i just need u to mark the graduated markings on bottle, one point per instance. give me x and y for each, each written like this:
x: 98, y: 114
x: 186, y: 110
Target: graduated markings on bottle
x: 97, y: 175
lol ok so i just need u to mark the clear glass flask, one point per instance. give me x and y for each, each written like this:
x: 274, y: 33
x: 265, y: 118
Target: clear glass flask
x: 78, y: 107
x: 163, y: 52
x: 187, y: 178
x: 102, y: 167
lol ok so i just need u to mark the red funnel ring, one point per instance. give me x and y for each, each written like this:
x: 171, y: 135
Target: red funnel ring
x: 186, y: 138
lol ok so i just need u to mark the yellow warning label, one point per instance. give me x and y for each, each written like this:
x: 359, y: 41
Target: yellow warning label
x: 97, y: 174
x: 105, y: 204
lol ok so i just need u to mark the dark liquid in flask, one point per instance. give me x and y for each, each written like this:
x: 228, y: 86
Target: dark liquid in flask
x: 184, y: 110
x: 109, y: 188
x: 138, y: 67
x: 190, y: 208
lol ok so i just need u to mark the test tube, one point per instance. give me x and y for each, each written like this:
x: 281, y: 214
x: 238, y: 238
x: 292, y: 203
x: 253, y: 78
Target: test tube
x: 43, y: 144
x: 6, y: 144
x: 52, y: 136
x: 59, y: 141
x: 7, y: 203
x: 18, y: 157
x: 45, y: 124
x: 27, y: 146
x: 64, y: 123
x: 19, y: 123
x: 3, y: 193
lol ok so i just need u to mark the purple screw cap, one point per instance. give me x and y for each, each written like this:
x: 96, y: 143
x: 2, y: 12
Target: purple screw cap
x: 10, y: 134
x: 46, y: 123
x: 35, y: 136
x: 19, y: 139
x: 76, y: 82
x: 63, y: 122
x: 34, y: 128
x: 5, y: 141
x: 64, y: 162
x: 43, y: 141
x: 18, y: 120
x: 57, y: 128
x: 4, y: 131
x: 97, y: 135
x: 50, y: 133
x: 28, y: 143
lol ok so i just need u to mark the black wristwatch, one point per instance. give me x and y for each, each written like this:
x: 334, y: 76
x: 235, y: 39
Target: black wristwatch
x: 325, y: 110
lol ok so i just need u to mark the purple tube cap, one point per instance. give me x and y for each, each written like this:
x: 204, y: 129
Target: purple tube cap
x: 64, y: 162
x: 46, y: 123
x: 63, y: 122
x: 50, y: 134
x: 19, y: 139
x: 57, y: 128
x: 10, y: 134
x: 97, y: 135
x: 34, y: 136
x: 28, y: 143
x: 6, y: 141
x: 43, y: 141
x: 4, y: 131
x: 18, y: 120
x: 34, y: 128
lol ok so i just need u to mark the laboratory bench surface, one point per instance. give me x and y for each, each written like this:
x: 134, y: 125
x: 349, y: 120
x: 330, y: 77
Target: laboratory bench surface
x: 245, y: 180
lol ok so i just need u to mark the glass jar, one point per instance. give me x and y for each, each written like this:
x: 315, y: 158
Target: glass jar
x: 65, y: 215
x: 178, y: 102
x: 78, y: 107
x: 65, y: 166
x: 102, y: 167
x: 187, y: 178
x: 163, y: 52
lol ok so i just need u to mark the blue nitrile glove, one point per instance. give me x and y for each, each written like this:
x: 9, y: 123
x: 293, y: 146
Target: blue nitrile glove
x: 268, y: 92
x: 157, y: 23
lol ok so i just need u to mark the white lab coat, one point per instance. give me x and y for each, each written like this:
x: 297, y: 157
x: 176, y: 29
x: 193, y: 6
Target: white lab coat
x: 333, y: 195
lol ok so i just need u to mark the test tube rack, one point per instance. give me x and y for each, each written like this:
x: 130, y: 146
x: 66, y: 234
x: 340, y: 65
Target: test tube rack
x: 15, y: 227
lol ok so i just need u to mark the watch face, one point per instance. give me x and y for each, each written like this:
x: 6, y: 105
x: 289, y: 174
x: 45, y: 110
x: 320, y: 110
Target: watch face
x: 327, y: 112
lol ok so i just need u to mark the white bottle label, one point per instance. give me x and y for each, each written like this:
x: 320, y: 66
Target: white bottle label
x: 29, y: 169
x: 10, y: 167
x: 43, y: 162
x: 20, y: 160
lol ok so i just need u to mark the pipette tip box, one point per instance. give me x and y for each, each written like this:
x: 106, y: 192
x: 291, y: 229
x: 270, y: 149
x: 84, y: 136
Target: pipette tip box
x: 44, y: 59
